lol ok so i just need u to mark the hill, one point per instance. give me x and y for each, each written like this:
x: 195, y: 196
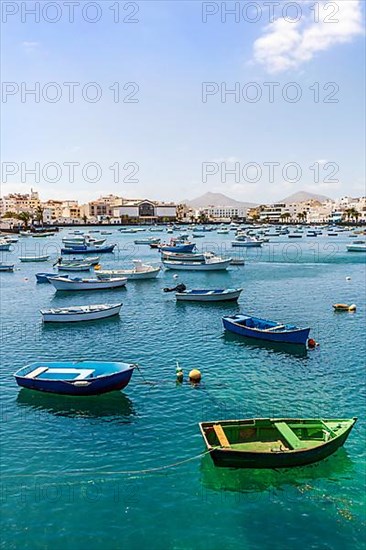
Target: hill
x: 302, y: 196
x: 216, y: 199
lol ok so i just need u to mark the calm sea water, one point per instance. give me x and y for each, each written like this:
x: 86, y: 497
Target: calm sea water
x: 64, y: 460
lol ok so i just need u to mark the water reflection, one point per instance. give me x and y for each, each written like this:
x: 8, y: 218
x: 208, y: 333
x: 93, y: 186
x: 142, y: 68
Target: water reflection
x: 290, y: 349
x: 255, y: 481
x: 114, y: 405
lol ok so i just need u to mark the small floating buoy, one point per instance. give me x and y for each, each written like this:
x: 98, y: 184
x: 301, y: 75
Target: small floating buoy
x: 179, y: 373
x: 312, y: 343
x: 195, y: 376
x: 97, y: 267
x: 175, y: 276
x: 348, y: 278
x: 352, y: 308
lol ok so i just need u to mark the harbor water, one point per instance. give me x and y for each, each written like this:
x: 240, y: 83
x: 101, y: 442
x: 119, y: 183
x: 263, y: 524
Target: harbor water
x: 127, y: 470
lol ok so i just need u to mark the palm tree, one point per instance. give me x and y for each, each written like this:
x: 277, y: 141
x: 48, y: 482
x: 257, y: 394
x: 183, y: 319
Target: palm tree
x: 24, y: 217
x: 39, y: 215
x: 286, y: 216
x: 85, y: 218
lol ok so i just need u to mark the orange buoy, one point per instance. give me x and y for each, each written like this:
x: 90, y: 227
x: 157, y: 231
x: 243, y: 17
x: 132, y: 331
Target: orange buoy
x: 195, y: 376
x: 312, y: 344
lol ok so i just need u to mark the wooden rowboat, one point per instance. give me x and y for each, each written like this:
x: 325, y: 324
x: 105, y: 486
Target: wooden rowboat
x: 344, y: 307
x: 217, y: 295
x: 274, y: 442
x: 75, y: 377
x: 262, y: 329
x: 80, y: 313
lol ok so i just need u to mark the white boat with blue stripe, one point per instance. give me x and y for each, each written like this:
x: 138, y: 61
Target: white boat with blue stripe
x: 80, y: 313
x: 204, y: 295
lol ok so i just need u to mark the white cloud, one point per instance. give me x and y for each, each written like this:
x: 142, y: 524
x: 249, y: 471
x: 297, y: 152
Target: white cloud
x: 287, y: 45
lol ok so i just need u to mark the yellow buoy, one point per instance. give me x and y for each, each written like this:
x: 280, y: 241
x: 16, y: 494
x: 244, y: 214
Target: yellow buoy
x: 352, y: 307
x: 195, y: 375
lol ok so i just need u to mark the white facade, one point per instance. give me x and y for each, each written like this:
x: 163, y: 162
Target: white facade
x: 224, y: 212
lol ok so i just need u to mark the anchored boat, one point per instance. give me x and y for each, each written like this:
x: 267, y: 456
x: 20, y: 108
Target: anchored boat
x: 210, y: 264
x: 82, y: 249
x: 6, y: 267
x: 75, y: 377
x: 262, y: 329
x: 139, y: 271
x: 274, y: 442
x: 218, y: 295
x: 80, y: 313
x: 63, y: 283
x: 43, y: 258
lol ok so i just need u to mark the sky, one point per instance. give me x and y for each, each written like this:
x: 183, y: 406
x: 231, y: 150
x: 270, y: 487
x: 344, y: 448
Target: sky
x: 133, y: 98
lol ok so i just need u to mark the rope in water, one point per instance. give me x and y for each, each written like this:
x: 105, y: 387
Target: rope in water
x: 115, y: 472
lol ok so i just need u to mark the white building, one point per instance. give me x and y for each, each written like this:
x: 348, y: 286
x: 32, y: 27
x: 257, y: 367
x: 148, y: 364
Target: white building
x: 144, y: 210
x: 224, y: 212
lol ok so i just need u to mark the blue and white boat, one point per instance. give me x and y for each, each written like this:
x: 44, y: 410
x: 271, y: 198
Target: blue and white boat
x: 77, y: 266
x: 75, y: 314
x: 209, y: 264
x: 75, y: 377
x: 262, y: 329
x: 64, y: 283
x: 93, y: 260
x: 207, y: 295
x: 42, y: 258
x: 82, y: 249
x: 4, y: 245
x: 179, y: 248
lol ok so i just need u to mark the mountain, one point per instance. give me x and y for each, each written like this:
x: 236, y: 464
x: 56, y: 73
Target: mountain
x: 216, y: 199
x: 302, y: 196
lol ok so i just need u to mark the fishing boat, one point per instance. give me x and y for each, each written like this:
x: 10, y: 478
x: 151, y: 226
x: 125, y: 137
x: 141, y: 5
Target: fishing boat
x: 139, y: 271
x: 25, y: 233
x: 75, y: 377
x: 237, y: 261
x: 11, y: 239
x: 64, y: 283
x: 148, y: 240
x: 43, y: 258
x: 6, y: 267
x: 210, y: 264
x: 247, y: 242
x: 106, y: 232
x: 274, y: 442
x: 344, y: 307
x: 82, y: 249
x: 80, y: 313
x: 207, y: 295
x: 82, y: 266
x: 44, y: 277
x: 93, y: 260
x: 295, y: 236
x: 4, y: 245
x: 254, y: 327
x: 190, y: 257
x: 178, y: 248
x: 196, y: 235
x: 356, y: 247
x: 41, y: 234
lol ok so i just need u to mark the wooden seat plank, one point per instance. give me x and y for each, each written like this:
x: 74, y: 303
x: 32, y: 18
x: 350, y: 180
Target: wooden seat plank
x: 220, y: 434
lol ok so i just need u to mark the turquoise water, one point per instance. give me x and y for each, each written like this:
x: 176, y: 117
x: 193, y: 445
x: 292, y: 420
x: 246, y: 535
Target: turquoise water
x: 63, y: 459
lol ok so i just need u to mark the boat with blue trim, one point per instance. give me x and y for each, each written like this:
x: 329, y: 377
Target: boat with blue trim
x: 75, y: 377
x: 262, y: 329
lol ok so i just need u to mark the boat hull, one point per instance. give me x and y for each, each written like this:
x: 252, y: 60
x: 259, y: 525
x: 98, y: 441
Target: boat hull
x: 228, y: 457
x: 34, y: 259
x: 179, y: 248
x: 298, y: 336
x: 205, y: 296
x: 88, y: 250
x: 61, y: 284
x: 129, y: 274
x: 7, y: 268
x: 196, y: 266
x: 80, y: 316
x: 99, y: 385
x: 244, y: 244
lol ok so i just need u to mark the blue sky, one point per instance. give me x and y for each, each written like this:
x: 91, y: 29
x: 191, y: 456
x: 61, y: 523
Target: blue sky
x: 170, y: 132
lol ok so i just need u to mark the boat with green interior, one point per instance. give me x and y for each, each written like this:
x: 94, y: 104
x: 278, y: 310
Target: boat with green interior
x: 274, y: 442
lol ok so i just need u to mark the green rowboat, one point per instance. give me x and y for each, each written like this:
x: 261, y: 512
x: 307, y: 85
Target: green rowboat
x: 274, y: 442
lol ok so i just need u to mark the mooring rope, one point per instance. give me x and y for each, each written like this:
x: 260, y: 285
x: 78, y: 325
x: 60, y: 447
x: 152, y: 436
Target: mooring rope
x: 115, y: 472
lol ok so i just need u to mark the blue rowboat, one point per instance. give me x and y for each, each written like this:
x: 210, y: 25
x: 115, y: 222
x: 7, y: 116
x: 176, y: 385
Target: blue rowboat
x: 254, y: 327
x: 82, y: 249
x: 178, y: 248
x: 75, y: 377
x: 44, y: 277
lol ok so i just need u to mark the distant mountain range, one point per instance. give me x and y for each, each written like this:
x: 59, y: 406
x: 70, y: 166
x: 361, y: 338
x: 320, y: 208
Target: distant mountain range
x: 219, y: 199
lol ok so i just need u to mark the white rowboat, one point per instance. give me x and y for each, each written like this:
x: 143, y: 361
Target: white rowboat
x: 63, y: 283
x: 80, y: 313
x: 219, y: 295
